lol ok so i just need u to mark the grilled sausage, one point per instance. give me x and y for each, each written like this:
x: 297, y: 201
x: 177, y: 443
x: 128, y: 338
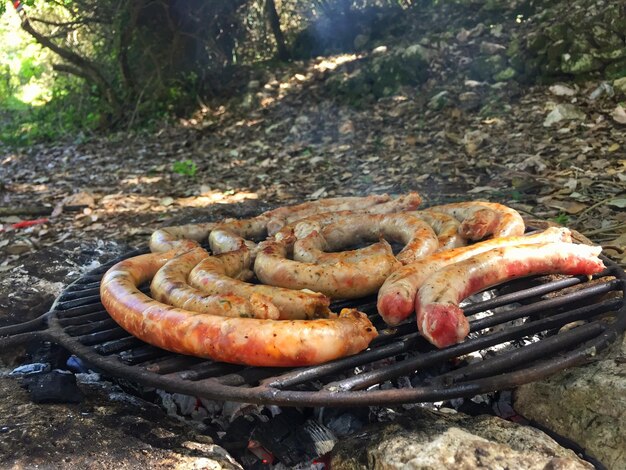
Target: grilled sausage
x: 442, y: 322
x: 182, y: 237
x: 313, y: 248
x: 340, y: 280
x: 445, y: 227
x: 235, y: 234
x: 220, y: 275
x: 416, y: 235
x: 371, y: 204
x: 170, y: 286
x: 480, y: 219
x: 236, y: 340
x: 396, y: 297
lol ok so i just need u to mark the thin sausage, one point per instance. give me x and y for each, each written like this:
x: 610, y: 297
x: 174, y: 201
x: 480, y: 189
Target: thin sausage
x: 340, y: 280
x: 313, y: 248
x: 236, y: 340
x: 480, y: 219
x: 170, y: 286
x: 379, y: 205
x: 442, y: 322
x: 416, y: 235
x: 220, y: 275
x: 396, y: 297
x: 181, y: 237
x: 445, y: 227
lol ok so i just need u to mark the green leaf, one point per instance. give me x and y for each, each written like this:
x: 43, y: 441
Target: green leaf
x: 185, y: 167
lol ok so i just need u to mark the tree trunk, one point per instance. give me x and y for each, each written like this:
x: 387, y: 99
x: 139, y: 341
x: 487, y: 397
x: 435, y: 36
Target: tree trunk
x: 274, y: 21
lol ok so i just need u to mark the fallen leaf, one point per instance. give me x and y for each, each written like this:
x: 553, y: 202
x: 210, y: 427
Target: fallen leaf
x: 166, y: 201
x: 317, y: 193
x: 82, y: 198
x: 618, y: 202
x: 570, y: 207
x: 619, y: 114
x: 482, y: 189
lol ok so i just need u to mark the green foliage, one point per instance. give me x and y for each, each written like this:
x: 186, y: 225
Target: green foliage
x: 561, y: 219
x: 185, y: 168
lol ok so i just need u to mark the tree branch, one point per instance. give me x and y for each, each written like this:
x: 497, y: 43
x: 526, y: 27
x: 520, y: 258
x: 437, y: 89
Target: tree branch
x: 90, y: 71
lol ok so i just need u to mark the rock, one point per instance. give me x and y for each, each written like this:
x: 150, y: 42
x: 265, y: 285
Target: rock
x: 605, y: 38
x: 463, y: 35
x: 53, y: 387
x: 469, y: 100
x: 382, y: 73
x: 380, y: 50
x: 484, y: 68
x: 249, y: 101
x: 619, y: 85
x: 563, y: 112
x: 603, y: 89
x: 254, y: 85
x: 423, y: 439
x: 615, y: 70
x: 562, y: 90
x: 491, y: 47
x: 591, y: 403
x: 579, y: 63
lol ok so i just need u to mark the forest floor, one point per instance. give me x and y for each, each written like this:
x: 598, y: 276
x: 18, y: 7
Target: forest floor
x: 298, y: 142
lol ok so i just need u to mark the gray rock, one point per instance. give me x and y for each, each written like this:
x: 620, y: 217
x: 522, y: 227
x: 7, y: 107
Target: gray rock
x: 603, y: 89
x: 563, y: 112
x: 423, y: 439
x: 491, y: 48
x: 254, y: 85
x: 562, y: 90
x: 591, y: 406
x: 577, y: 64
x: 619, y: 85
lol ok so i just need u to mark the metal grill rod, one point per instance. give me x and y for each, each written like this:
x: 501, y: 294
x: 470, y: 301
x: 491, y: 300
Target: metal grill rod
x: 407, y: 366
x: 512, y: 359
x: 409, y: 341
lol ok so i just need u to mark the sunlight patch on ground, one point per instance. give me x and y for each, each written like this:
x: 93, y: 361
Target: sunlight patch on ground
x: 28, y: 188
x: 121, y: 202
x: 331, y: 63
x: 216, y: 197
x: 141, y: 180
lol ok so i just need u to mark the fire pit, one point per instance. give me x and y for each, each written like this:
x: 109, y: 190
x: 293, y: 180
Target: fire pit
x: 526, y: 331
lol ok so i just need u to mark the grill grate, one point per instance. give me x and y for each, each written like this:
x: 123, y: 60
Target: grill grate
x: 79, y: 322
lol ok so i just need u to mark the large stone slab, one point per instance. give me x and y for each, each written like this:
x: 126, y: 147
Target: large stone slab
x: 425, y: 440
x: 586, y: 404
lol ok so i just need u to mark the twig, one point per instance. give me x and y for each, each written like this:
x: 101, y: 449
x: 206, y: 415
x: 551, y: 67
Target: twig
x: 592, y: 207
x: 606, y: 229
x: 25, y: 210
x: 36, y: 210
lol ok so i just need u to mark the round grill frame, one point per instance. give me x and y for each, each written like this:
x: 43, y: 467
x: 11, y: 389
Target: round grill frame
x: 270, y: 385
